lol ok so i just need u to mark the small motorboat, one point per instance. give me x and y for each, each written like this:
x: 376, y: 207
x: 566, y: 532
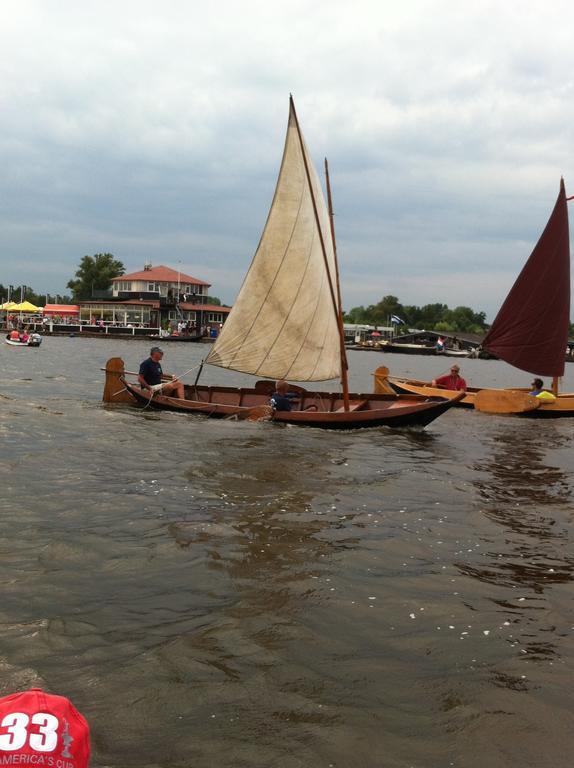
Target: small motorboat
x: 34, y: 340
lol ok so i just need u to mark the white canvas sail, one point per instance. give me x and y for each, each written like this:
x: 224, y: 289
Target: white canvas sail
x: 283, y: 324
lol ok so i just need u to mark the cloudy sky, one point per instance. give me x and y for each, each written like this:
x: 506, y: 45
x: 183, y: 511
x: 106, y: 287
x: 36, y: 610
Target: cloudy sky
x: 154, y: 130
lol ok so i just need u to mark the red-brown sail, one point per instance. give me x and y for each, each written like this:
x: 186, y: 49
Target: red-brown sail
x: 531, y: 328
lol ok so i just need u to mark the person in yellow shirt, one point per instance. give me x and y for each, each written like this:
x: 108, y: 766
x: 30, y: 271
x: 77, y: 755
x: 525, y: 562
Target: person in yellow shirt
x: 539, y: 391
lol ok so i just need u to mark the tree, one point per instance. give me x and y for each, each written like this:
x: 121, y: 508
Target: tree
x: 466, y: 319
x: 29, y: 294
x: 444, y: 327
x: 412, y: 315
x: 95, y: 273
x: 431, y: 314
x: 357, y: 316
x: 436, y: 317
x: 387, y: 306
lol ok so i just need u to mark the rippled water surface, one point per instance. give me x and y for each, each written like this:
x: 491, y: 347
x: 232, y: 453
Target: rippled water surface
x: 216, y: 593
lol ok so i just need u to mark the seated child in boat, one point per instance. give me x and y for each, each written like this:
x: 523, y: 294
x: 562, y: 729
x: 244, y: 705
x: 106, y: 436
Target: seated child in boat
x: 14, y: 335
x: 539, y: 391
x: 282, y: 399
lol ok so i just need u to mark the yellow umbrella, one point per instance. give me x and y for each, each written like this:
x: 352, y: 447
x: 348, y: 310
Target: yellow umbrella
x: 8, y: 305
x: 25, y: 306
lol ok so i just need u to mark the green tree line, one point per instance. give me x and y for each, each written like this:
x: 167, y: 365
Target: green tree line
x: 29, y: 294
x: 431, y: 317
x: 94, y: 273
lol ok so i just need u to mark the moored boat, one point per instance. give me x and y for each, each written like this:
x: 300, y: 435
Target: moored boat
x: 406, y: 349
x: 195, y: 337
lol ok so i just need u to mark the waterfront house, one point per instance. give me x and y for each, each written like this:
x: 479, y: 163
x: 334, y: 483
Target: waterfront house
x: 155, y: 297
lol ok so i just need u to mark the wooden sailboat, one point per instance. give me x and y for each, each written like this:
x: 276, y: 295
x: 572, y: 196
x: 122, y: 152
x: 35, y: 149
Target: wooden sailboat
x: 408, y: 386
x: 530, y: 331
x: 287, y: 321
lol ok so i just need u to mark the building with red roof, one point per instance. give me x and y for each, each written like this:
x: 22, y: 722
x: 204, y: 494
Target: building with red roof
x: 163, y: 281
x: 156, y: 297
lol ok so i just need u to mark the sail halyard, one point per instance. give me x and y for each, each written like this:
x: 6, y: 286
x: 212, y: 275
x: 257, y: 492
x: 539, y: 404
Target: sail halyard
x: 530, y: 330
x: 282, y: 324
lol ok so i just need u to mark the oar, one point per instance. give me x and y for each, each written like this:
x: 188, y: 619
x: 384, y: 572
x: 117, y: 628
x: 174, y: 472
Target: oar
x: 505, y: 401
x: 173, y: 378
x: 256, y: 413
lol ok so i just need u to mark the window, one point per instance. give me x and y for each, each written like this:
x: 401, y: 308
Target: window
x: 152, y: 287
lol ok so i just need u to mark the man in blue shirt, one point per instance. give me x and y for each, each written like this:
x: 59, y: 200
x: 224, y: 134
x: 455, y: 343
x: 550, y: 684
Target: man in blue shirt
x: 282, y: 399
x: 151, y: 376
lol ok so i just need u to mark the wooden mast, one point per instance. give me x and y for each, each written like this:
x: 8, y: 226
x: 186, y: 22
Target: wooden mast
x: 555, y: 385
x: 555, y: 378
x: 324, y: 252
x: 344, y: 363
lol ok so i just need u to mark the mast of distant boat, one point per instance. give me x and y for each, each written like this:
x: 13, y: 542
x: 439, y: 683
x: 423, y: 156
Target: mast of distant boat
x: 336, y: 307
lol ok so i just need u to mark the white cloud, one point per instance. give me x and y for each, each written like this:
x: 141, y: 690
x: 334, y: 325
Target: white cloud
x: 155, y: 131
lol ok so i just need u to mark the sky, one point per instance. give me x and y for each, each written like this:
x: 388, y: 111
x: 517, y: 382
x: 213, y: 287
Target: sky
x: 154, y: 131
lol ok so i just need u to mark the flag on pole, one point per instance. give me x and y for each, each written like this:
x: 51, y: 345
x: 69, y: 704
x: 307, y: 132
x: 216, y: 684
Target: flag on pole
x: 396, y: 320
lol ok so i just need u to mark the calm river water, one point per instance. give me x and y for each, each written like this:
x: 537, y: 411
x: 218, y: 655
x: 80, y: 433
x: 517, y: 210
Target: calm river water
x: 234, y: 594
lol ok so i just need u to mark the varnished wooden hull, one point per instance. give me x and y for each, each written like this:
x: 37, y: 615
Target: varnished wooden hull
x: 368, y: 410
x: 423, y: 389
x: 562, y: 407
